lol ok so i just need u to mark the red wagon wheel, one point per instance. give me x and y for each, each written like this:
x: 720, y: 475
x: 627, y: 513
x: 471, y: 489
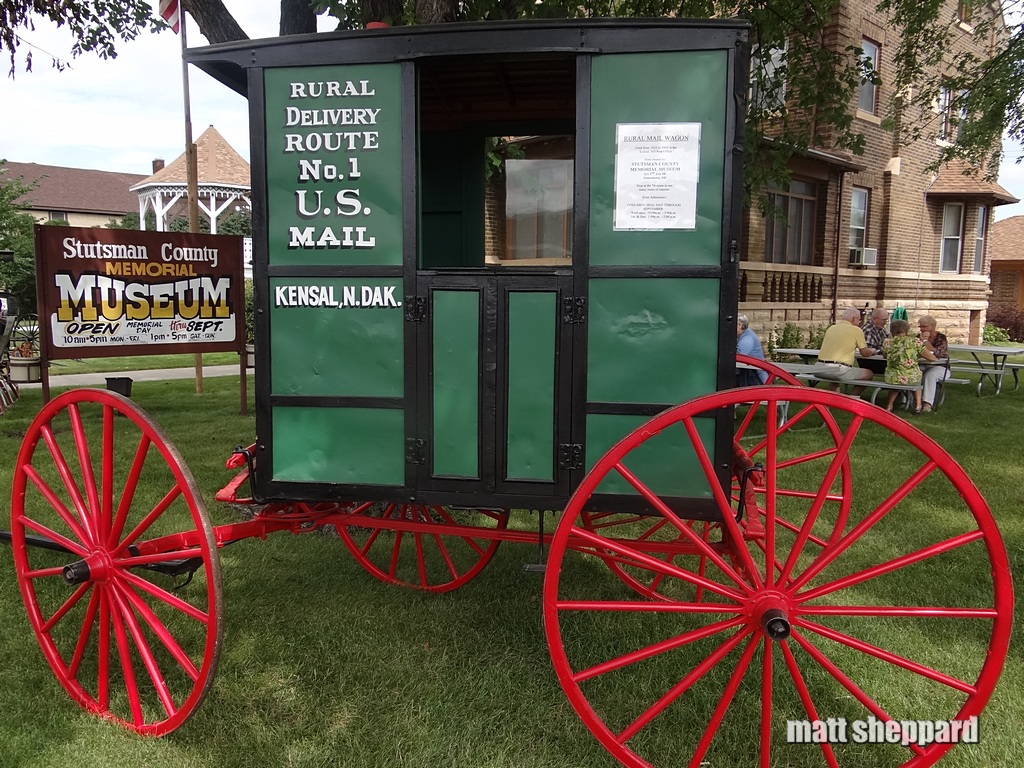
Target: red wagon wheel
x: 428, y: 547
x: 107, y: 527
x: 795, y: 479
x: 905, y: 616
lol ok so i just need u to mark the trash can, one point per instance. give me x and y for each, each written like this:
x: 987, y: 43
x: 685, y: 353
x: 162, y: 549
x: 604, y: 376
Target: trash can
x: 122, y: 385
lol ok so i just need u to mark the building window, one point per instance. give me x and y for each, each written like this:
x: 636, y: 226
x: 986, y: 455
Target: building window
x: 952, y: 234
x: 952, y: 114
x: 789, y: 231
x: 858, y: 223
x: 867, y: 98
x: 58, y: 216
x: 767, y: 91
x: 979, y: 238
x: 964, y: 12
x: 538, y: 211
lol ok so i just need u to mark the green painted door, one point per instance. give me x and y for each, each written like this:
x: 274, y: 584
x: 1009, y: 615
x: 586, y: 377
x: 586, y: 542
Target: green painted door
x: 497, y: 353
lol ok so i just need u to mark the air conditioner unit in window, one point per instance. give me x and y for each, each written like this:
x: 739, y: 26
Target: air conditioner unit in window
x: 863, y: 257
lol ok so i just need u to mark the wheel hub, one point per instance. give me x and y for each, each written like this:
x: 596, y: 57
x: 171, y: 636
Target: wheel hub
x: 772, y: 611
x: 775, y: 624
x: 96, y: 567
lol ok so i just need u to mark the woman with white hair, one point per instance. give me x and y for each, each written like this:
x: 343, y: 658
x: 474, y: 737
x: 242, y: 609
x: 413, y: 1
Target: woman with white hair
x: 937, y: 344
x: 748, y: 344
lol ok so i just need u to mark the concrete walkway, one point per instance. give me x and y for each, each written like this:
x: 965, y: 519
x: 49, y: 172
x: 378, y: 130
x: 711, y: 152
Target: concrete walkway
x: 156, y: 374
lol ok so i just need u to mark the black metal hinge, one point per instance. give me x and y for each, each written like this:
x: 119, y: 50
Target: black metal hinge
x: 415, y: 451
x: 415, y: 308
x: 574, y: 310
x: 570, y: 456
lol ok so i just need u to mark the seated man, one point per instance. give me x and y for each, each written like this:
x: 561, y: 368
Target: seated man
x: 837, y: 356
x: 875, y: 335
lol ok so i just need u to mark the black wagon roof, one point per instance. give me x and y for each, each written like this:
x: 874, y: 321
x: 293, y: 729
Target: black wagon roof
x: 544, y: 39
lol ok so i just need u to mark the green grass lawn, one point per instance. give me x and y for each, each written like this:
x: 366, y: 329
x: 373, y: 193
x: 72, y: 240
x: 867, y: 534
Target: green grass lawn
x: 138, y: 363
x: 322, y: 665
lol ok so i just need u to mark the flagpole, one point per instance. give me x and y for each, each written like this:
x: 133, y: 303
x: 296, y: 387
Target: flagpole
x: 192, y: 168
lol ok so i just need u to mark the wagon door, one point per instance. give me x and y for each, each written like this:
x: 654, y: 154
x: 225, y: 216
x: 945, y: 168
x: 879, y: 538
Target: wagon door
x: 495, y: 373
x: 495, y: 279
x: 495, y: 336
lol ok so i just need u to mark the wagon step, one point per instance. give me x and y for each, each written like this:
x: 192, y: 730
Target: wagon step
x: 541, y: 565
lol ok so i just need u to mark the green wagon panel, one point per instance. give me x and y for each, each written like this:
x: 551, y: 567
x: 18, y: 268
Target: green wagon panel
x: 652, y: 340
x: 339, y: 445
x: 532, y: 319
x: 666, y: 463
x: 334, y: 165
x: 455, y: 374
x: 361, y: 324
x: 695, y: 97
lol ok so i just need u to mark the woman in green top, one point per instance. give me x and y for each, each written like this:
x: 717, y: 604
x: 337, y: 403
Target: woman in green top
x: 901, y: 354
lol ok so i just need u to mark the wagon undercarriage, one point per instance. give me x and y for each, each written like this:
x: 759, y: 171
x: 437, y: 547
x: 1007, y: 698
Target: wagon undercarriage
x: 762, y: 617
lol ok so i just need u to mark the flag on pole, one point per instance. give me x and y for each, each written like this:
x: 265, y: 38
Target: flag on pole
x: 169, y: 12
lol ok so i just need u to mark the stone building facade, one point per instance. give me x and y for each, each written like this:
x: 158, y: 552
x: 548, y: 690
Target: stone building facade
x: 878, y: 229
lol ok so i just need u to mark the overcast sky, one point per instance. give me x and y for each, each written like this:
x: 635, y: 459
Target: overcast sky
x: 120, y: 114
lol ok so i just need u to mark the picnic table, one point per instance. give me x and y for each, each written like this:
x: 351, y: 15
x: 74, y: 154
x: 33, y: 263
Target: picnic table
x: 805, y: 371
x: 809, y: 356
x: 993, y: 371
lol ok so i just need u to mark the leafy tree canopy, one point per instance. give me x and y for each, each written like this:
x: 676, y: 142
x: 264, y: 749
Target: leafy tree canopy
x: 96, y: 25
x: 793, y: 43
x: 17, y: 277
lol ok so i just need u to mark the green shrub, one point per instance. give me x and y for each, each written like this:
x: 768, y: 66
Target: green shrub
x: 995, y: 335
x: 815, y: 336
x: 250, y: 309
x: 1010, y: 319
x: 790, y: 337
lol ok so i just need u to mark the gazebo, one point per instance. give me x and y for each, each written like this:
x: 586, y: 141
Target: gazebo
x: 223, y: 182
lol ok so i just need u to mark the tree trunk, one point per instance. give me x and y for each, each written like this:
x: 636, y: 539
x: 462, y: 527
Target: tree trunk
x: 297, y: 17
x: 388, y: 11
x: 435, y: 11
x: 214, y: 20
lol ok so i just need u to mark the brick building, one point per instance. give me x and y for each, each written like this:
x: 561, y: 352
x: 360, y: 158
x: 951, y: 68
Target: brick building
x: 878, y: 229
x: 1008, y: 262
